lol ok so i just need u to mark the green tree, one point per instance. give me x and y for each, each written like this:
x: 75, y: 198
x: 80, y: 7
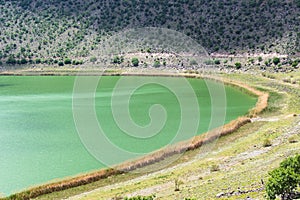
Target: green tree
x: 68, y: 61
x: 193, y: 62
x: 156, y: 64
x: 295, y: 63
x: 276, y: 61
x: 297, y: 3
x: 267, y: 63
x: 251, y: 60
x: 118, y: 60
x: 164, y: 63
x: 209, y: 62
x: 11, y: 60
x: 60, y: 63
x: 238, y: 65
x: 217, y: 62
x: 135, y: 62
x: 23, y: 61
x: 93, y: 59
x: 284, y: 179
x: 38, y: 61
x: 260, y: 59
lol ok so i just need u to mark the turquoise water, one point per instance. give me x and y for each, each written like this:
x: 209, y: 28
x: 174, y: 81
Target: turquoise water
x: 38, y: 137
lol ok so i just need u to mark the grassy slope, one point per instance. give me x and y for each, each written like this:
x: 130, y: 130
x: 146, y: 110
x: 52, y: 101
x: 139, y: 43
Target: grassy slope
x: 242, y: 159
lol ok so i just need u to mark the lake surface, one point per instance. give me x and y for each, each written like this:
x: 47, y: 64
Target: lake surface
x: 39, y: 140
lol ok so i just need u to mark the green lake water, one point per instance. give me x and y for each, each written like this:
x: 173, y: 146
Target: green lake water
x: 39, y: 140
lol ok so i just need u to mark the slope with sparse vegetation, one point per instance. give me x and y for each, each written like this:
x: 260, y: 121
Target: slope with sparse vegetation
x: 50, y: 31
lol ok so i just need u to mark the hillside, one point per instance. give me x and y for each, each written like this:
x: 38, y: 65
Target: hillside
x: 51, y: 30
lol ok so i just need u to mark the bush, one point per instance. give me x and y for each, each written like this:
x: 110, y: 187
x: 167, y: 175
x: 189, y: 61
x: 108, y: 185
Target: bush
x: 118, y: 60
x: 23, y: 61
x: 214, y: 168
x: 267, y: 63
x: 135, y: 62
x: 267, y: 143
x: 284, y: 179
x: 60, y: 63
x: 177, y: 184
x: 68, y: 61
x: 193, y: 62
x: 295, y: 63
x: 260, y: 59
x: 297, y: 3
x: 238, y: 65
x: 93, y: 59
x: 11, y: 60
x: 217, y: 62
x: 209, y: 62
x: 38, y: 61
x: 156, y: 64
x: 293, y: 139
x: 276, y: 61
x: 151, y: 197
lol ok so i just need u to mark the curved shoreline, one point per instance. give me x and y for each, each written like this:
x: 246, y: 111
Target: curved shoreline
x: 161, y: 154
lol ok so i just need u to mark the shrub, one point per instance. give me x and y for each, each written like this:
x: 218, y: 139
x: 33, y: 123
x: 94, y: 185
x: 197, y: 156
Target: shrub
x: 295, y: 63
x: 60, y: 63
x: 93, y: 59
x: 151, y: 197
x: 214, y: 168
x: 260, y: 59
x: 251, y: 60
x: 23, y: 61
x: 238, y: 65
x: 284, y: 179
x: 193, y: 62
x: 156, y: 64
x: 217, y: 62
x: 38, y: 61
x: 293, y: 139
x: 118, y: 60
x: 297, y: 3
x: 68, y: 61
x: 267, y: 63
x: 209, y: 62
x: 177, y: 185
x: 11, y: 60
x: 267, y: 143
x: 276, y: 61
x: 135, y: 62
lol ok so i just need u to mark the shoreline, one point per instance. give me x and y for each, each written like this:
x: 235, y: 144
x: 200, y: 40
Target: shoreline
x: 160, y: 154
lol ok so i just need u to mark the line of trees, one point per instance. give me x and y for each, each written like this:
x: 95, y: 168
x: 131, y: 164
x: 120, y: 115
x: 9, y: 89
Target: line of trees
x: 23, y: 61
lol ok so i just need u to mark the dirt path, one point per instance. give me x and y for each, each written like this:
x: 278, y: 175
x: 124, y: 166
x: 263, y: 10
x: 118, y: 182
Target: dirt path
x: 272, y: 119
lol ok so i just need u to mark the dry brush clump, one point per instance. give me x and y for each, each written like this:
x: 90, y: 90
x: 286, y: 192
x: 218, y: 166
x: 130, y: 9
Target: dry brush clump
x: 63, y: 185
